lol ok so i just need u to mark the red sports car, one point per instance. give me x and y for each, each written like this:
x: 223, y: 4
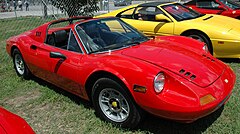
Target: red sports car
x: 222, y: 7
x: 13, y: 124
x: 122, y: 71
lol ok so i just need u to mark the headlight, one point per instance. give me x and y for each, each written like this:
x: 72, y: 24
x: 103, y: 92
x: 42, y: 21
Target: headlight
x: 205, y: 48
x: 159, y: 82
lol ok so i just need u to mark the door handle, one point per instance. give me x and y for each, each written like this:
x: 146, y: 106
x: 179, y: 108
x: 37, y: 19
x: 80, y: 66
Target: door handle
x: 34, y: 47
x: 57, y: 55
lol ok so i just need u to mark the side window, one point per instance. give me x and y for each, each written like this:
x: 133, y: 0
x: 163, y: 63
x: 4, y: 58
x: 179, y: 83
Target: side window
x: 73, y: 44
x: 57, y: 35
x: 127, y: 14
x: 58, y: 39
x: 207, y: 4
x: 147, y: 13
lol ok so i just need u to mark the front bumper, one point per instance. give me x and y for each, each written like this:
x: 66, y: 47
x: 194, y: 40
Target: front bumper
x: 173, y: 107
x: 189, y: 116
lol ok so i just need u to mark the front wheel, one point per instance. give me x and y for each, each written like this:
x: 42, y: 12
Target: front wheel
x: 20, y: 65
x: 113, y: 104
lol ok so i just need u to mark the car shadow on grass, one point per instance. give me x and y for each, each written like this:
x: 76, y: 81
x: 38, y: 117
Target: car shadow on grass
x: 230, y: 60
x: 151, y: 123
x: 76, y: 99
x: 159, y: 125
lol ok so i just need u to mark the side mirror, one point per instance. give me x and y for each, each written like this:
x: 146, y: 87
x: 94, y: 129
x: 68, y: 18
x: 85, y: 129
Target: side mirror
x: 162, y: 18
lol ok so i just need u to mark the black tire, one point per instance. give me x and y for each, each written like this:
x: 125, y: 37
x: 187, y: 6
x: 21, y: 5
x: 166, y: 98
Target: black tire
x: 131, y: 114
x: 20, y: 65
x: 199, y: 36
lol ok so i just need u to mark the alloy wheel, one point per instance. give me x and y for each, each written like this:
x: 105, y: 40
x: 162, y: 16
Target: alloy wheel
x: 114, y: 105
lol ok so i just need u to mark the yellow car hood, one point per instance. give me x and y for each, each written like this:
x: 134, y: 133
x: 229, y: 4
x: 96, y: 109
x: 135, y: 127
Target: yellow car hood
x: 217, y: 26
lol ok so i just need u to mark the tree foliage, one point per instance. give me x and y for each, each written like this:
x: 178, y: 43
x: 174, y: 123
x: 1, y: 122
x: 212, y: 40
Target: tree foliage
x: 77, y: 7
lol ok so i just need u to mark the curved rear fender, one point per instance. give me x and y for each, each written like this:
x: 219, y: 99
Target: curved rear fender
x: 20, y: 44
x: 39, y: 34
x: 11, y: 44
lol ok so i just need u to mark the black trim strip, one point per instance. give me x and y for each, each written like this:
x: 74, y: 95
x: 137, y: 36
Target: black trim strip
x: 208, y: 18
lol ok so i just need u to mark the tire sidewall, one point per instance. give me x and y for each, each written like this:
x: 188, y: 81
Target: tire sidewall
x: 205, y: 40
x: 134, y: 116
x: 26, y: 73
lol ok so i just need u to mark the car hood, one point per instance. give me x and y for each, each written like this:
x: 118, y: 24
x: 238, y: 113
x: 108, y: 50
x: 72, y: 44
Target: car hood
x: 222, y: 26
x: 198, y: 67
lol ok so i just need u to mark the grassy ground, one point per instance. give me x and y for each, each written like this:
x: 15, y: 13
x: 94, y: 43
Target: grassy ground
x: 50, y: 110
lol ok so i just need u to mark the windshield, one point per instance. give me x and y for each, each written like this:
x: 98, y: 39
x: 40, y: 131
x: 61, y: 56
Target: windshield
x: 230, y: 4
x: 180, y: 12
x: 108, y: 34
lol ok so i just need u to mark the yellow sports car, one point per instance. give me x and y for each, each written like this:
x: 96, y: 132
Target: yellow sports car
x: 220, y: 33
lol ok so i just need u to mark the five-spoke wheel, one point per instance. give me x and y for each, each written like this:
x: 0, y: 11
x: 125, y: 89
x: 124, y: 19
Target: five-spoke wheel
x: 113, y: 103
x: 19, y: 65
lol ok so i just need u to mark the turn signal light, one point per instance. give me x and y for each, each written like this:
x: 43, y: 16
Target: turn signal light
x: 206, y: 99
x: 138, y: 88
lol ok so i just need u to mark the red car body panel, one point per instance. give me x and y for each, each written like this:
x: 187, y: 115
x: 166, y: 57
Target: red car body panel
x: 13, y: 124
x: 136, y: 65
x: 221, y: 10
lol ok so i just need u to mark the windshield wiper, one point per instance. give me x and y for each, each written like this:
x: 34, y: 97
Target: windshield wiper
x: 133, y: 43
x: 144, y: 38
x: 104, y: 48
x: 99, y: 50
x: 118, y: 45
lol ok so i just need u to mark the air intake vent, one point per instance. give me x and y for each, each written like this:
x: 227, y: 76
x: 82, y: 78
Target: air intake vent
x: 193, y: 77
x: 208, y: 58
x: 181, y: 71
x: 187, y: 74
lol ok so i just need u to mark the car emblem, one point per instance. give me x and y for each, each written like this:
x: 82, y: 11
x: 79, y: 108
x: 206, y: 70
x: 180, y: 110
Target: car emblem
x: 226, y: 80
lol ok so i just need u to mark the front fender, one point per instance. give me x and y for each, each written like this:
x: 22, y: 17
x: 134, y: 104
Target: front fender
x: 130, y: 71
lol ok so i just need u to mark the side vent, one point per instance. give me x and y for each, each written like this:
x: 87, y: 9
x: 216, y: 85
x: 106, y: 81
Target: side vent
x: 193, y: 77
x: 187, y: 74
x: 208, y: 58
x: 181, y: 71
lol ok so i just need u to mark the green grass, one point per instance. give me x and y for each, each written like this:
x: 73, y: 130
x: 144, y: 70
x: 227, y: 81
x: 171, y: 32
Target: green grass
x: 51, y: 110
